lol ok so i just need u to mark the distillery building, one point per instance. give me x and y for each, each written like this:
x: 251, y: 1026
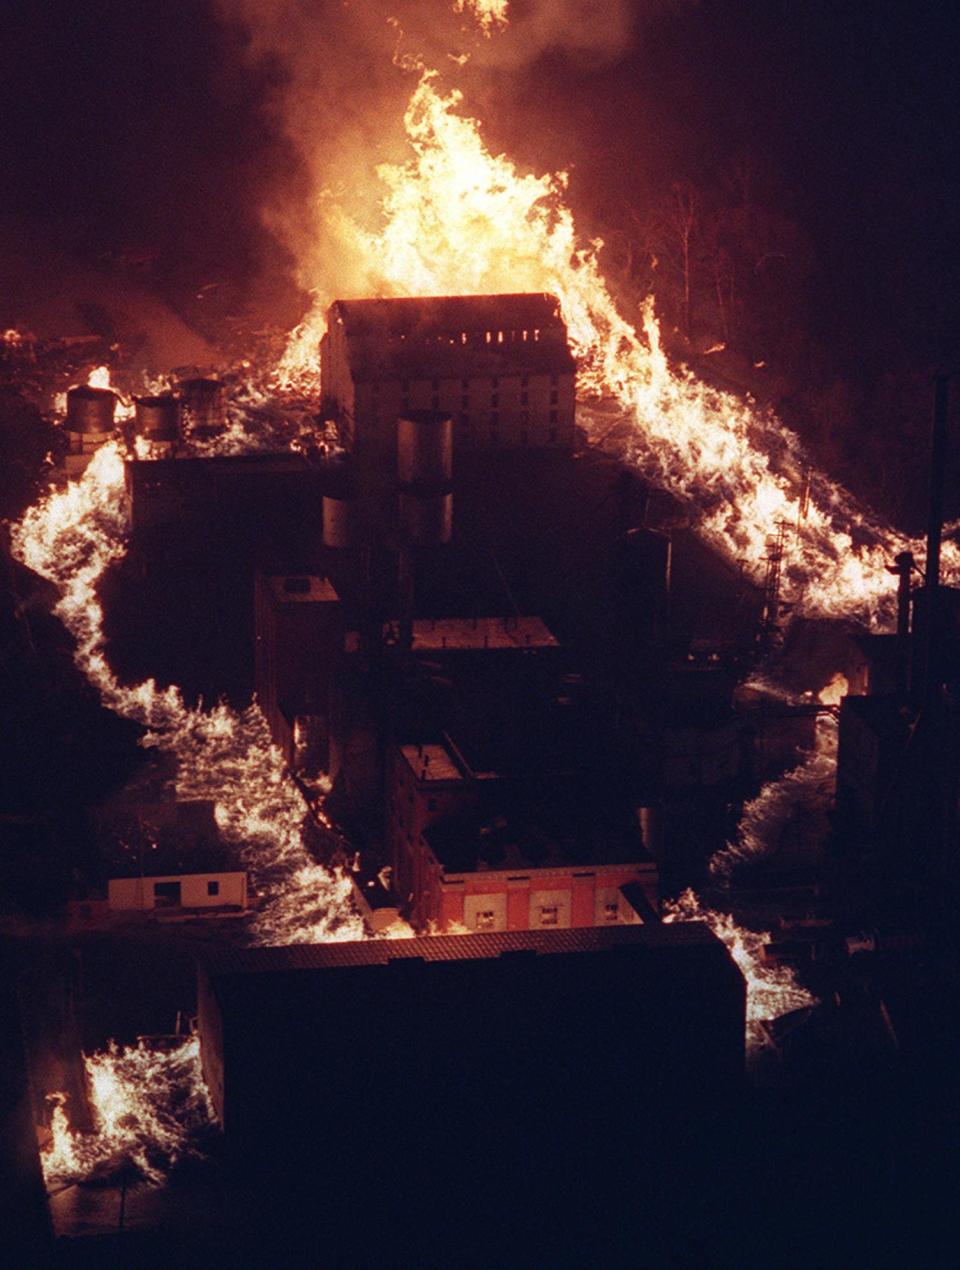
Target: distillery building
x: 499, y: 366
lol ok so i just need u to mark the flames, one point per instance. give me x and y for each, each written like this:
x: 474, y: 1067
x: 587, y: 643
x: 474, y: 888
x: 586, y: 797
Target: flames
x: 456, y: 219
x: 490, y: 14
x: 771, y: 990
x: 150, y: 1108
x: 72, y: 537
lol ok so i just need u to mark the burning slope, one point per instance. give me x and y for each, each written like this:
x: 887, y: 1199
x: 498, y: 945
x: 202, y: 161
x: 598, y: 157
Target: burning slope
x: 458, y: 220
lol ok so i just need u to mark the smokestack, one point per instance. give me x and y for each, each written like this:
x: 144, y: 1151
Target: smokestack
x: 932, y: 623
x: 903, y: 568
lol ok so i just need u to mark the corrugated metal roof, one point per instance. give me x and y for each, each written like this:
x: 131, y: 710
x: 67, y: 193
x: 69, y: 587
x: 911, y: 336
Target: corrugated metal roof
x: 491, y: 944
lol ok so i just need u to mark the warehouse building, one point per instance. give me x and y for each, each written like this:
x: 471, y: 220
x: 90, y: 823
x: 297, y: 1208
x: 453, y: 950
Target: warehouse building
x: 498, y: 365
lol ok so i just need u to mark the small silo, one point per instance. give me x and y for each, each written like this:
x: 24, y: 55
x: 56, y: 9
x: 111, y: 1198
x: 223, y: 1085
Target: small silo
x: 425, y: 475
x: 203, y: 408
x: 338, y: 505
x: 158, y: 418
x: 90, y: 421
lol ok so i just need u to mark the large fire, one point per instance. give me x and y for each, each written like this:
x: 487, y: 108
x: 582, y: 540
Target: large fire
x: 455, y: 219
x: 149, y: 1105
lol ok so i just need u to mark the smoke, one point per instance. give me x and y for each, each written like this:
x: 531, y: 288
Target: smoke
x: 341, y: 73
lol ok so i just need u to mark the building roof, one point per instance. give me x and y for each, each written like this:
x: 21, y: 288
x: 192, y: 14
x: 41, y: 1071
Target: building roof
x: 488, y: 945
x: 558, y: 824
x: 432, y: 762
x: 452, y: 336
x: 302, y: 588
x: 469, y: 633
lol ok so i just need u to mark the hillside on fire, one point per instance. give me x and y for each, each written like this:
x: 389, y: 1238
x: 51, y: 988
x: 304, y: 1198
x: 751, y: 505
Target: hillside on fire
x: 480, y: 635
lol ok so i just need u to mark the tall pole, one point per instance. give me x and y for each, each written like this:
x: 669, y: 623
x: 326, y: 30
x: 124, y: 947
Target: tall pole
x: 938, y: 454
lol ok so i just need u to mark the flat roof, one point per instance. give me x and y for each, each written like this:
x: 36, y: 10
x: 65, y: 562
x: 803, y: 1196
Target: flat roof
x: 432, y: 762
x: 482, y: 633
x: 302, y: 588
x: 225, y: 961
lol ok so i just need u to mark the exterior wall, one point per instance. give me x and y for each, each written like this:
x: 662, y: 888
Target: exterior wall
x: 539, y: 899
x: 533, y: 411
x: 298, y: 643
x: 412, y: 807
x: 139, y: 893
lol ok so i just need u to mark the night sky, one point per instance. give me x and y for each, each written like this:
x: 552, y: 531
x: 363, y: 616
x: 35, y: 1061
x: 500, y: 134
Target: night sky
x: 143, y: 127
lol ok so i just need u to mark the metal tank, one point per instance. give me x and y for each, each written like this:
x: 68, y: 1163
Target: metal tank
x: 338, y: 503
x: 90, y: 411
x: 203, y: 405
x: 426, y: 519
x: 425, y: 473
x: 337, y: 516
x: 158, y: 418
x: 425, y: 448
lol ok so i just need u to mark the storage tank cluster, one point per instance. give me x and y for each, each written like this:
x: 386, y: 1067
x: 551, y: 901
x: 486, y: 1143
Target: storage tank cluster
x: 196, y: 409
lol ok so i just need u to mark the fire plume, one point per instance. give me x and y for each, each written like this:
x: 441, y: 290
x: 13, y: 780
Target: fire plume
x: 456, y: 219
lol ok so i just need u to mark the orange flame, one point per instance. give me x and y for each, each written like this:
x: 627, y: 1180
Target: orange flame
x: 458, y: 220
x: 149, y: 1105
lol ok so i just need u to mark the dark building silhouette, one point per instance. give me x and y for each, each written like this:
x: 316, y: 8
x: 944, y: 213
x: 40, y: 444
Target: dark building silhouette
x: 439, y: 1091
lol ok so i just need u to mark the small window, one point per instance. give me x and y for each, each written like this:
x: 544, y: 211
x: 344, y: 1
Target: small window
x: 550, y: 915
x: 213, y: 888
x: 485, y: 920
x: 166, y: 894
x: 611, y: 911
x: 499, y: 337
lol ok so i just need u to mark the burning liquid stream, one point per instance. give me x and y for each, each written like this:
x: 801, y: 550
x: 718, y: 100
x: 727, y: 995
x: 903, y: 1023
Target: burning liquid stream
x: 71, y: 538
x: 150, y: 1107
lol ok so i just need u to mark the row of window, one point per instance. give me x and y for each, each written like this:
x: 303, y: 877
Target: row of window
x: 548, y: 914
x: 465, y: 384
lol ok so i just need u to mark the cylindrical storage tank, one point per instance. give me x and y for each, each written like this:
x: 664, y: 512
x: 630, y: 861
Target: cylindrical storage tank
x: 426, y: 519
x: 425, y: 448
x: 337, y: 515
x: 158, y: 418
x: 203, y: 405
x: 90, y: 410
